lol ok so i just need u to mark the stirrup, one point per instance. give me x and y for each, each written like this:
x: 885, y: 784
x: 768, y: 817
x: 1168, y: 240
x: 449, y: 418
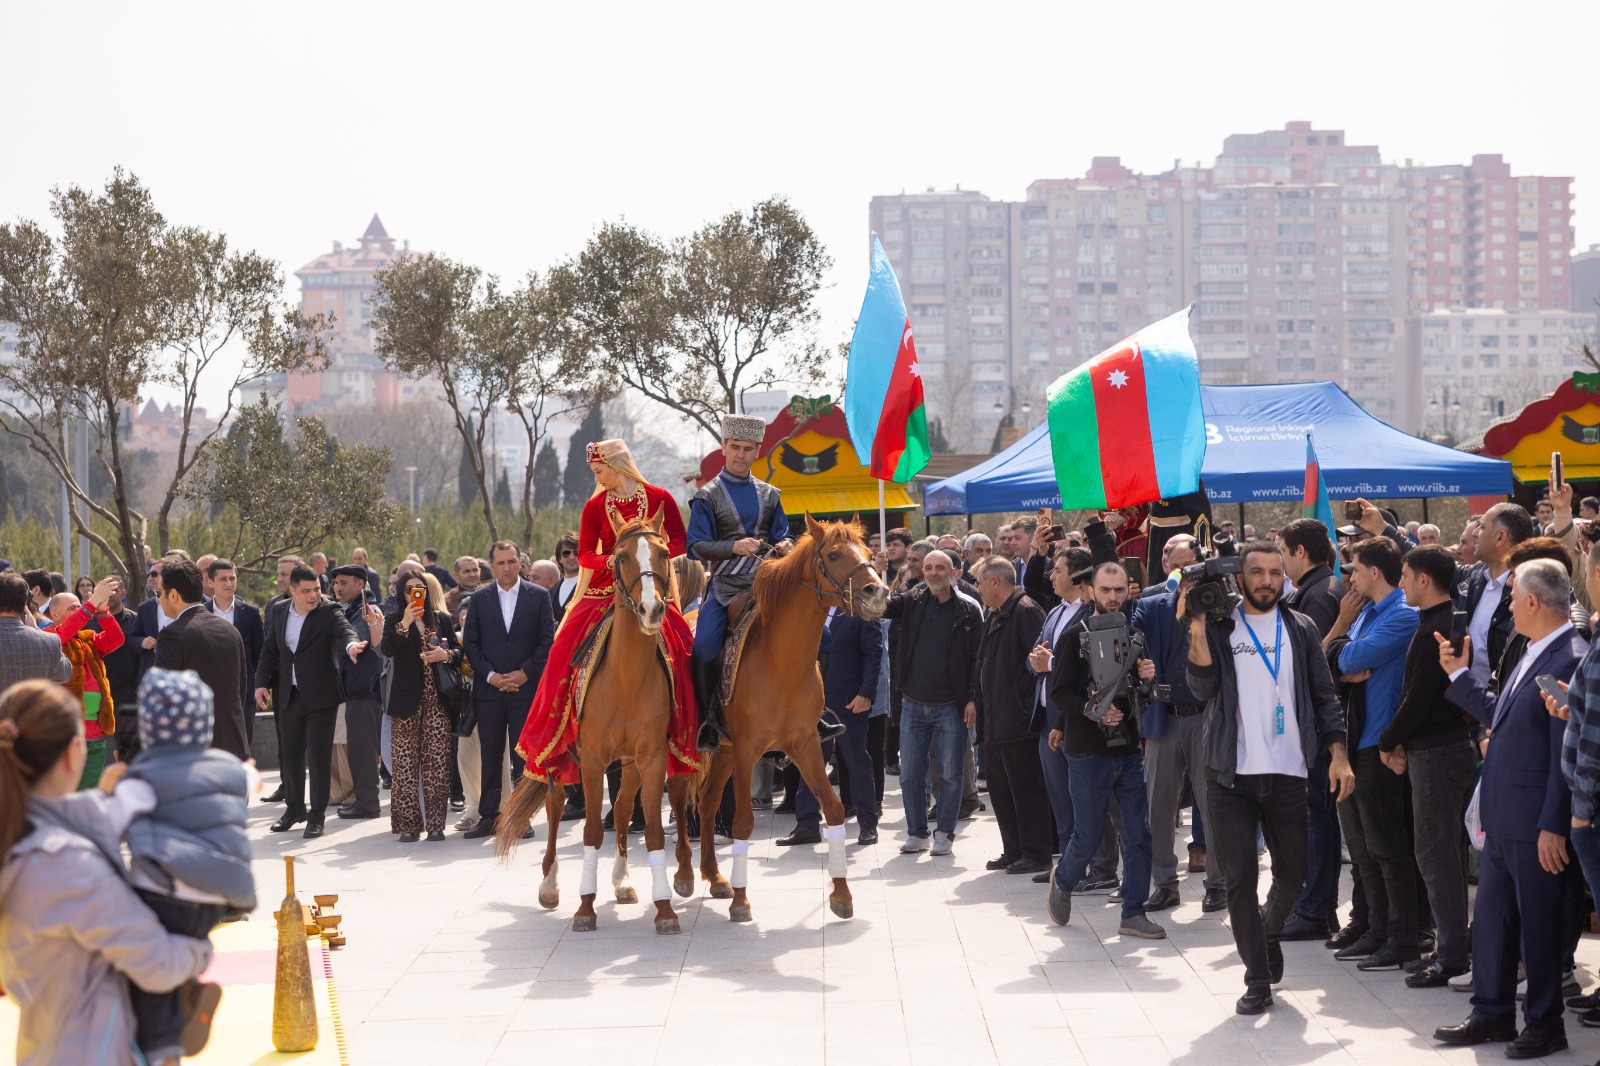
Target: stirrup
x: 829, y: 727
x: 710, y: 734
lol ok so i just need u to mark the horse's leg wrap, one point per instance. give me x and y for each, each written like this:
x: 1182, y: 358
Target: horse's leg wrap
x: 659, y: 889
x: 834, y: 835
x: 588, y: 884
x: 739, y: 876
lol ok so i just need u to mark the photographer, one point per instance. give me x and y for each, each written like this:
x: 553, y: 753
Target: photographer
x: 1105, y: 759
x: 1271, y: 710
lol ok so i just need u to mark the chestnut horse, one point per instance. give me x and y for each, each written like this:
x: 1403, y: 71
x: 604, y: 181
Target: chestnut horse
x: 626, y: 714
x: 777, y: 696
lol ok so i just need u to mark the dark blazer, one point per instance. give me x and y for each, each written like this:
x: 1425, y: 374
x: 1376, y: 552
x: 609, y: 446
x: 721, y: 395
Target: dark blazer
x: 122, y: 665
x: 405, y: 649
x: 1522, y: 789
x: 1005, y: 685
x: 854, y: 662
x: 148, y: 624
x: 361, y: 678
x: 1318, y: 598
x: 1168, y: 647
x: 323, y: 639
x: 1501, y: 627
x: 491, y: 649
x: 200, y: 641
x: 247, y: 620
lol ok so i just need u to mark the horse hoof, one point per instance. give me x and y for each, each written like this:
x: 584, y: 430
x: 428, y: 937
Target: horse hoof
x: 583, y: 923
x: 738, y: 914
x: 684, y: 888
x: 720, y: 890
x: 668, y: 927
x: 843, y: 908
x: 550, y: 902
x: 627, y: 895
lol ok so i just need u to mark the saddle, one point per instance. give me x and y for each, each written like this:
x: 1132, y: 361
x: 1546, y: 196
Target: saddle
x: 741, y: 616
x: 591, y: 652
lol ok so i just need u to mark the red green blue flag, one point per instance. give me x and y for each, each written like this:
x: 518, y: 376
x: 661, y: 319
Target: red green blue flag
x: 1314, y: 501
x: 1126, y: 427
x: 882, y: 403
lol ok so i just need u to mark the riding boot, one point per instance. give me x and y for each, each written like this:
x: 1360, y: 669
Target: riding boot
x: 828, y: 727
x: 708, y: 694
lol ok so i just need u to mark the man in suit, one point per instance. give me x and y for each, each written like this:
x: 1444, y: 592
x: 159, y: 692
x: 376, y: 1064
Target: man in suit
x: 246, y: 619
x: 1526, y: 811
x: 26, y: 651
x: 300, y: 672
x: 363, y: 712
x: 509, y: 629
x: 195, y: 639
x: 1487, y: 599
x: 855, y: 658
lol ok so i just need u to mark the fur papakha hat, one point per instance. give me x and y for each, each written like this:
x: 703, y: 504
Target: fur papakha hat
x: 752, y: 428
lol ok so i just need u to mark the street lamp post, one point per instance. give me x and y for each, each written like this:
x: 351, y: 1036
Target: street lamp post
x: 411, y: 476
x: 1448, y: 412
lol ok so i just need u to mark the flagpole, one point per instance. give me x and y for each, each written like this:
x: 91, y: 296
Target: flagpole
x: 883, y: 523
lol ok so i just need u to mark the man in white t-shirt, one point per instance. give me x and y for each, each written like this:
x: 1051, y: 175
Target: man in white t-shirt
x: 1271, y: 709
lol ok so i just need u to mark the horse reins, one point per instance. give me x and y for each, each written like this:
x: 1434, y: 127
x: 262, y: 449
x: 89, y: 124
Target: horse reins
x: 626, y: 588
x: 842, y: 591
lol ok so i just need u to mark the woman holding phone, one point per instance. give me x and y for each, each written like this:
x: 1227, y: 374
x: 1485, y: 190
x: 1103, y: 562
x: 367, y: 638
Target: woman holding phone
x: 416, y: 635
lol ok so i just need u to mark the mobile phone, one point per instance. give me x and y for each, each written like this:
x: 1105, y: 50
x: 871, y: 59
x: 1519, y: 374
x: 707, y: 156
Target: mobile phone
x: 1352, y: 511
x: 1135, y: 568
x: 1558, y: 474
x: 1547, y: 684
x: 1057, y: 531
x: 419, y: 595
x: 1458, y: 630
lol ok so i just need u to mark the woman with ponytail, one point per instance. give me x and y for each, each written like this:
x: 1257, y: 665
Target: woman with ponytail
x: 72, y: 931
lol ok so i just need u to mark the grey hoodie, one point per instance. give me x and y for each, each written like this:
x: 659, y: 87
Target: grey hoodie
x: 69, y: 922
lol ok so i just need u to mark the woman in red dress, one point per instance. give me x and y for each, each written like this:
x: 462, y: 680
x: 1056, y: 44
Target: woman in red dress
x: 552, y: 725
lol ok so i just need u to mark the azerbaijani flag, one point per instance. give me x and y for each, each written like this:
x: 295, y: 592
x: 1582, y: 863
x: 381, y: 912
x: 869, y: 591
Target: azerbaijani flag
x: 883, y: 383
x: 1314, y: 502
x: 1126, y: 427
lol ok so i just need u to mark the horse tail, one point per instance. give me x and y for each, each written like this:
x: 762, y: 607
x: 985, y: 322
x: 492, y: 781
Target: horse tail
x: 517, y: 814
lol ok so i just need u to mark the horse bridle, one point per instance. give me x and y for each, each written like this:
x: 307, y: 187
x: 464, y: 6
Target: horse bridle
x: 842, y: 591
x: 626, y: 588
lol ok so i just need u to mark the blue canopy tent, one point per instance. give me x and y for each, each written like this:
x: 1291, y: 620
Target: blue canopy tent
x: 1255, y: 452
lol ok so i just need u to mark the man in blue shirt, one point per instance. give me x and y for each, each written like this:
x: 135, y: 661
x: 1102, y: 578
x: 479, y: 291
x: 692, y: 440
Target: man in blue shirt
x: 1367, y: 650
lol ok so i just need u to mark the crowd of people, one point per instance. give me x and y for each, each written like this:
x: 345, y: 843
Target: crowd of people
x: 1361, y: 695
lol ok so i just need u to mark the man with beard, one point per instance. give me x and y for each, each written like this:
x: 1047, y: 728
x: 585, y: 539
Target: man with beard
x: 1271, y: 708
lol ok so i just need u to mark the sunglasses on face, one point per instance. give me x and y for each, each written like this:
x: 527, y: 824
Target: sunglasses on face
x: 568, y: 554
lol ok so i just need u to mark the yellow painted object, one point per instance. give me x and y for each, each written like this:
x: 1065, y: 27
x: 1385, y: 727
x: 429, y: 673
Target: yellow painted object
x: 294, y: 1011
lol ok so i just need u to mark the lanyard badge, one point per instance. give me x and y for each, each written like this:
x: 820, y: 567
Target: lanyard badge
x: 1273, y: 666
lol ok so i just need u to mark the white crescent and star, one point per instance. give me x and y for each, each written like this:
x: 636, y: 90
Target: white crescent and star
x: 1118, y: 378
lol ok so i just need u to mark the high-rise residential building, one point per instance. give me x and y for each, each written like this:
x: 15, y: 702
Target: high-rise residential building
x: 340, y: 283
x: 1306, y: 257
x: 1585, y: 282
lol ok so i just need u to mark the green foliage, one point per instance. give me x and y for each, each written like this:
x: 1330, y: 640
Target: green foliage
x: 577, y: 481
x: 547, y: 477
x: 467, y: 477
x: 502, y: 491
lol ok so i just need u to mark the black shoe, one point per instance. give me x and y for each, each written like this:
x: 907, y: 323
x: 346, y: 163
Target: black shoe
x: 407, y: 838
x: 276, y: 797
x: 384, y: 779
x: 637, y: 825
x: 1091, y: 885
x: 1476, y: 1030
x: 1028, y: 866
x: 435, y: 834
x: 352, y: 811
x: 799, y: 836
x: 1360, y: 949
x: 893, y: 769
x: 1275, y: 961
x: 1059, y: 904
x: 574, y: 812
x: 1215, y: 900
x: 1390, y: 956
x: 1299, y: 927
x: 867, y: 838
x: 1419, y: 964
x: 1586, y: 1002
x: 286, y: 823
x: 785, y: 807
x: 970, y: 810
x: 1436, y: 975
x: 1590, y: 1019
x: 1534, y: 1043
x: 608, y: 823
x: 313, y: 830
x: 1161, y: 899
x: 458, y: 804
x: 1042, y: 877
x: 1001, y: 863
x: 829, y: 727
x: 484, y: 828
x: 1254, y: 1001
x: 528, y: 834
x: 1345, y: 937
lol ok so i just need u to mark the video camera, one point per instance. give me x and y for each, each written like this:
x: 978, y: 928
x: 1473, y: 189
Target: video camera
x: 1112, y: 652
x: 1215, y: 590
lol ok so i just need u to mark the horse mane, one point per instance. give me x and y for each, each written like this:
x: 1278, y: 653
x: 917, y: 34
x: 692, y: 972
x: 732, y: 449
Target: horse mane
x: 778, y: 579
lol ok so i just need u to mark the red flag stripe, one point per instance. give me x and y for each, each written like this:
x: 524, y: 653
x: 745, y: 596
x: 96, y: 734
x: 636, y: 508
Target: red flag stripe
x: 1127, y: 455
x: 905, y: 396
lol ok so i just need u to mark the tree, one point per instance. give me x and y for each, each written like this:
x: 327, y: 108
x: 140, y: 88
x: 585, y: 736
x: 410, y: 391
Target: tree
x: 547, y: 476
x: 5, y: 492
x: 424, y: 314
x: 288, y: 497
x: 123, y: 301
x: 577, y: 481
x: 937, y: 444
x: 502, y: 492
x: 697, y: 324
x: 466, y: 478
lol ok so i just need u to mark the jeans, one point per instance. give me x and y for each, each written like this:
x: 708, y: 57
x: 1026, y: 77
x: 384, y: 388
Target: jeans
x: 1441, y: 785
x: 1323, y: 845
x: 926, y: 730
x: 1274, y: 804
x: 1094, y: 779
x: 1374, y: 825
x: 160, y: 1014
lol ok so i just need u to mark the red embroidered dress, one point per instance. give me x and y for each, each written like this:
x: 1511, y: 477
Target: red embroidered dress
x: 552, y: 726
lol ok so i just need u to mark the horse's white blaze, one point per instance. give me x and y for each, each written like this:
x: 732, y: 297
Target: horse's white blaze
x: 647, y: 584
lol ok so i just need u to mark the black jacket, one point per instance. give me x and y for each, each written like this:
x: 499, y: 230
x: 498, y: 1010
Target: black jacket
x: 247, y: 621
x: 122, y: 665
x: 1069, y: 688
x: 361, y: 677
x: 491, y: 649
x: 1501, y: 628
x: 1316, y: 702
x: 324, y: 636
x: 1005, y: 685
x: 910, y: 607
x: 200, y: 641
x: 405, y: 649
x: 1425, y: 719
x: 1317, y: 597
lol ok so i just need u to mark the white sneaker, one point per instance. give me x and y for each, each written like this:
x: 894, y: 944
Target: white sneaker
x: 914, y: 845
x: 941, y: 843
x: 721, y: 840
x: 1569, y: 986
x: 1462, y: 982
